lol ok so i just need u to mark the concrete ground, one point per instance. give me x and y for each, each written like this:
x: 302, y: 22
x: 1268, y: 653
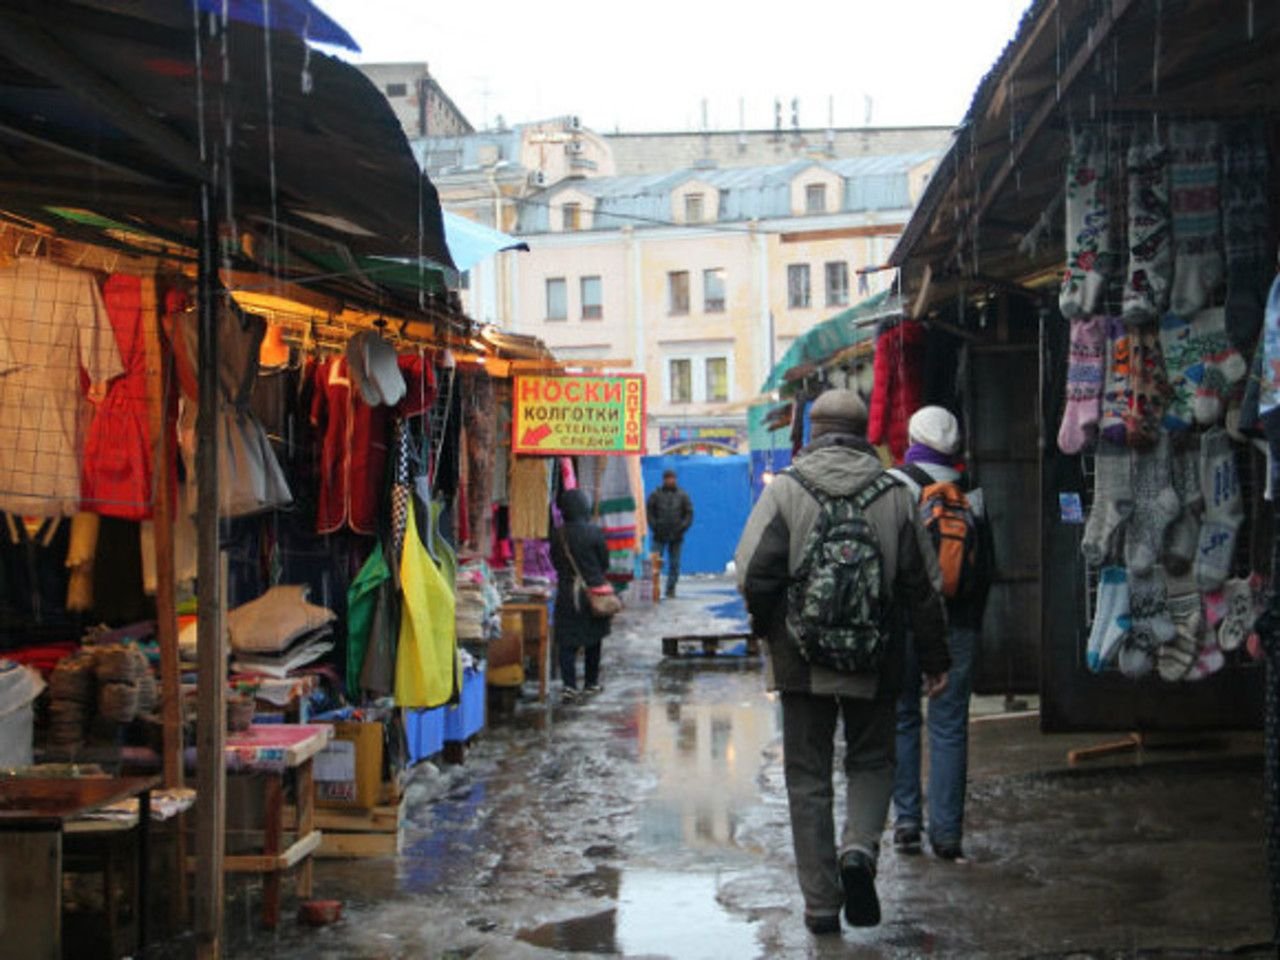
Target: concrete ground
x: 652, y: 821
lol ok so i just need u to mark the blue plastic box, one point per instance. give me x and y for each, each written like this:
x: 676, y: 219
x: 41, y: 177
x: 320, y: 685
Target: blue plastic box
x: 424, y: 733
x: 464, y: 721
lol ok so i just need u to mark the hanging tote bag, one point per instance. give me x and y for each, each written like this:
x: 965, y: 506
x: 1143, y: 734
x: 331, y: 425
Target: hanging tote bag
x: 427, y: 673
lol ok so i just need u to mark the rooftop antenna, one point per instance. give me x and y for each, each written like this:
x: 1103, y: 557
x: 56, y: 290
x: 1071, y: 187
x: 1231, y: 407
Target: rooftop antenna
x: 831, y: 124
x: 777, y: 119
x: 869, y: 104
x: 742, y: 124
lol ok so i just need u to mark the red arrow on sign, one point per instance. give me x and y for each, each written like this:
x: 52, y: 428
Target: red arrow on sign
x: 535, y: 435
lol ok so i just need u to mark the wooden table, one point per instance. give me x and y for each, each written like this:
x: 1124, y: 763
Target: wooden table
x: 33, y: 816
x: 532, y: 618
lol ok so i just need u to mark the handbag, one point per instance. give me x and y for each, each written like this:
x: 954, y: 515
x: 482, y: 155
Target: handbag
x: 601, y: 600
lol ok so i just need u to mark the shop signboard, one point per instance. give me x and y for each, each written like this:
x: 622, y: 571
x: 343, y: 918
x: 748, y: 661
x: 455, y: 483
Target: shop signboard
x: 704, y: 437
x: 578, y: 414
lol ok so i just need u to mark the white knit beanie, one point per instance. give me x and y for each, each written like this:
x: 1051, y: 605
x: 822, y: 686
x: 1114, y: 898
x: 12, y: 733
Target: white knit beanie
x: 936, y: 428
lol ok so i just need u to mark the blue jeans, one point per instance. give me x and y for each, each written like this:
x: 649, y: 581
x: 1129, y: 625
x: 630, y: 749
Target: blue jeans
x: 672, y: 548
x: 948, y: 743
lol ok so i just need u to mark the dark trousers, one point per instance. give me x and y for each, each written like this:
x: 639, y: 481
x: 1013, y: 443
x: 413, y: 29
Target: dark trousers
x: 672, y: 548
x: 569, y: 665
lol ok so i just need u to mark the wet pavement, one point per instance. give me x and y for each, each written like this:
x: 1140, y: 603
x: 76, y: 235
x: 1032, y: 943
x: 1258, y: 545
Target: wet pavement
x: 651, y: 821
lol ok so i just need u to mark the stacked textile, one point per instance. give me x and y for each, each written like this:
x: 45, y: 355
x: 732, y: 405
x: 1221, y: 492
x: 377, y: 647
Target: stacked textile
x: 279, y: 633
x: 479, y: 605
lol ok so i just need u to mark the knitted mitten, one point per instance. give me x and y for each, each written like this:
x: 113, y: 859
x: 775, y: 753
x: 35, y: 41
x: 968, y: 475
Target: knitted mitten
x: 1223, y: 510
x: 1084, y: 385
x: 1112, y: 504
x: 1222, y: 366
x: 1182, y: 538
x: 1148, y: 387
x: 1197, y: 226
x: 1090, y: 254
x: 1245, y: 228
x: 1155, y: 507
x: 1146, y: 289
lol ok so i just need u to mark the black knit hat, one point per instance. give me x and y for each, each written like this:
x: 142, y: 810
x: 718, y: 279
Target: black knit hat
x: 838, y: 411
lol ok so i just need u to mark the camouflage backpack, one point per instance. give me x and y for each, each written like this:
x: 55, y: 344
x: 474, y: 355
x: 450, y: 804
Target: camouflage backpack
x: 835, y: 608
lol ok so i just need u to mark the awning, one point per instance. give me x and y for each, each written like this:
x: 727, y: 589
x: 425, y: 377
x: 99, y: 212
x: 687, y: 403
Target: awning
x: 833, y: 335
x: 470, y: 242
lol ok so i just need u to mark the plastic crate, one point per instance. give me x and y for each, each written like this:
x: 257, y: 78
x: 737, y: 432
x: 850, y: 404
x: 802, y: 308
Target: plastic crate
x: 465, y: 720
x: 424, y: 733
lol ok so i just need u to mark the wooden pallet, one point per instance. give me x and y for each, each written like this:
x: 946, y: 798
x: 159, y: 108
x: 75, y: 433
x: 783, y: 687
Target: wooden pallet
x: 708, y: 645
x: 347, y: 834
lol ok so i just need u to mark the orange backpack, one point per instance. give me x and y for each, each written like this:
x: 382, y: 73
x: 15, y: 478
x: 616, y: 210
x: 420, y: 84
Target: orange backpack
x: 947, y: 515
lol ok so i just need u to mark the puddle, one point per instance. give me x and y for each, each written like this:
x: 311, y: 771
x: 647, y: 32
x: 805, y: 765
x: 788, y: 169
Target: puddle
x: 659, y: 914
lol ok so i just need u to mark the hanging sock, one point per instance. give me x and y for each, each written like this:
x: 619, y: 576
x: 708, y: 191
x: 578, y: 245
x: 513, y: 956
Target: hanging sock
x: 1242, y: 601
x: 1090, y: 251
x: 1117, y: 383
x: 1222, y: 365
x: 1223, y: 510
x: 1146, y: 288
x: 1245, y: 170
x: 1183, y: 536
x: 1155, y: 507
x: 1111, y: 621
x: 1209, y: 661
x: 1149, y: 609
x: 1086, y: 358
x: 1148, y: 392
x: 1197, y: 225
x: 1175, y: 659
x: 1112, y: 504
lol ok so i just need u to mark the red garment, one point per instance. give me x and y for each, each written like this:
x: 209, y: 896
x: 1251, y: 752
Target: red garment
x: 353, y: 451
x: 419, y: 372
x: 898, y: 390
x: 116, y: 476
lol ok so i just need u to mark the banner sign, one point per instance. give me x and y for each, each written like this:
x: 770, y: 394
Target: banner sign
x: 729, y: 437
x: 578, y: 415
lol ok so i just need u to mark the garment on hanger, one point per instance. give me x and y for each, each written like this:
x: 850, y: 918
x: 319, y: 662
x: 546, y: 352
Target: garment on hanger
x: 353, y: 451
x: 479, y: 415
x: 53, y: 326
x: 427, y: 652
x: 529, y: 497
x: 899, y: 389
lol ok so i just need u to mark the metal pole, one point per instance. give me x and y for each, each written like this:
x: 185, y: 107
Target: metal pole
x: 211, y: 781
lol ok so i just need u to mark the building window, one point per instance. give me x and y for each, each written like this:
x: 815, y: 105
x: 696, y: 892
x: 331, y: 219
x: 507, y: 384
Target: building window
x: 397, y: 90
x: 693, y: 208
x: 837, y: 284
x: 680, y: 376
x: 724, y: 204
x: 798, y: 286
x: 713, y: 290
x: 592, y: 299
x: 678, y: 292
x: 572, y: 216
x: 557, y: 299
x: 815, y: 198
x: 717, y: 371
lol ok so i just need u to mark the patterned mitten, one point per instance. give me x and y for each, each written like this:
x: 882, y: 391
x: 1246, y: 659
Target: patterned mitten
x: 1197, y: 225
x: 1146, y: 289
x: 1090, y: 254
x: 1084, y: 385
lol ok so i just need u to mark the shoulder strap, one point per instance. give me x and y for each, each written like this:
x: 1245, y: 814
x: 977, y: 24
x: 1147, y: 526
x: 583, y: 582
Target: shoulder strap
x: 863, y: 496
x: 568, y: 552
x: 919, y: 474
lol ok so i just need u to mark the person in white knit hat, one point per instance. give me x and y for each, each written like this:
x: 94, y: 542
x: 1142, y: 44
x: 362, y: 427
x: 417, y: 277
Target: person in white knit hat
x: 931, y: 471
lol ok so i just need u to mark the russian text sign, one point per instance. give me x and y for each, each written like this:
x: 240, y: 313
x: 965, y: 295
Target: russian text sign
x: 572, y: 414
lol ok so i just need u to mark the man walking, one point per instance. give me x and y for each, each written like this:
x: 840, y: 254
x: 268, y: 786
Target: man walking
x: 832, y: 554
x: 956, y: 523
x: 670, y: 514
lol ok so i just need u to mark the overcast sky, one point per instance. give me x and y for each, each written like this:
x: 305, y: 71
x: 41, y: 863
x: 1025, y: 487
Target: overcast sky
x: 649, y: 65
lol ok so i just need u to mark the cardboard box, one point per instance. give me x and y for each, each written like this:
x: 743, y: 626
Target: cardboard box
x: 348, y: 772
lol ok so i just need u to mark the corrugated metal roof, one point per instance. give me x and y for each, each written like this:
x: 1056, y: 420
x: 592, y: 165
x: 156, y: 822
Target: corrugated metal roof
x: 746, y: 193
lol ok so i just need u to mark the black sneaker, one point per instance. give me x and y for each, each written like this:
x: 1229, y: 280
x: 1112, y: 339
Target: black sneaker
x: 906, y: 839
x: 950, y: 851
x: 568, y: 695
x: 823, y: 926
x: 592, y: 689
x: 861, y: 904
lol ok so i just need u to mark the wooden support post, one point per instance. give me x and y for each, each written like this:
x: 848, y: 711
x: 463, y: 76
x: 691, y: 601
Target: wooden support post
x: 305, y: 785
x: 211, y: 719
x: 272, y: 844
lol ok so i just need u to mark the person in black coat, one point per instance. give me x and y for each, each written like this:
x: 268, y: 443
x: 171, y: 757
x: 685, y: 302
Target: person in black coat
x: 575, y: 626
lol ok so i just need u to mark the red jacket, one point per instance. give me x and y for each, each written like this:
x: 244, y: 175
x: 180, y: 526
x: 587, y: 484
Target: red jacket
x: 353, y: 451
x: 898, y: 391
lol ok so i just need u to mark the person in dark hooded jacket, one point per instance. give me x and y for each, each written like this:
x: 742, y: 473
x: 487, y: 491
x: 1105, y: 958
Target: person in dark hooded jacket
x: 575, y: 626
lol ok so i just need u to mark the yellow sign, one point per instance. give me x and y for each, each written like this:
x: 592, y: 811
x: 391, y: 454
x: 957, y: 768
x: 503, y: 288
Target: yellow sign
x: 578, y: 414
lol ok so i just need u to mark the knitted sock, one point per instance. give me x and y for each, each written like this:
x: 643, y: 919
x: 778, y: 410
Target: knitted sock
x: 1176, y: 658
x: 1184, y: 369
x: 1112, y: 504
x: 1269, y: 385
x: 1243, y: 601
x: 1183, y: 535
x: 1222, y: 365
x: 1084, y: 385
x: 1155, y: 507
x: 1136, y: 659
x: 1090, y: 256
x: 1223, y: 510
x: 1148, y: 387
x: 1208, y: 662
x: 1197, y: 224
x: 1110, y: 617
x: 1149, y: 609
x: 1146, y: 289
x: 1116, y: 384
x: 1245, y: 170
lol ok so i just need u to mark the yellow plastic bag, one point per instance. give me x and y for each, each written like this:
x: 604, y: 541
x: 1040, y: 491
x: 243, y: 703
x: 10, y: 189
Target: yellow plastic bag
x: 427, y: 669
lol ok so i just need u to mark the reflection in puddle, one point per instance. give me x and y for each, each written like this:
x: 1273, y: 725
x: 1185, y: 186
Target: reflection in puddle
x: 659, y: 914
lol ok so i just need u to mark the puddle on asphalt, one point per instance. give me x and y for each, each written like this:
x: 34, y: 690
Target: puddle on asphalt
x: 659, y: 913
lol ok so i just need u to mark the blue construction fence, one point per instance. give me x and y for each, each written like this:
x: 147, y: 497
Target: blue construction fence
x: 720, y: 488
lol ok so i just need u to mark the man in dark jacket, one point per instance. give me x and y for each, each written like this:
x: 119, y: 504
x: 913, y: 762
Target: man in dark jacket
x: 840, y: 463
x: 670, y: 513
